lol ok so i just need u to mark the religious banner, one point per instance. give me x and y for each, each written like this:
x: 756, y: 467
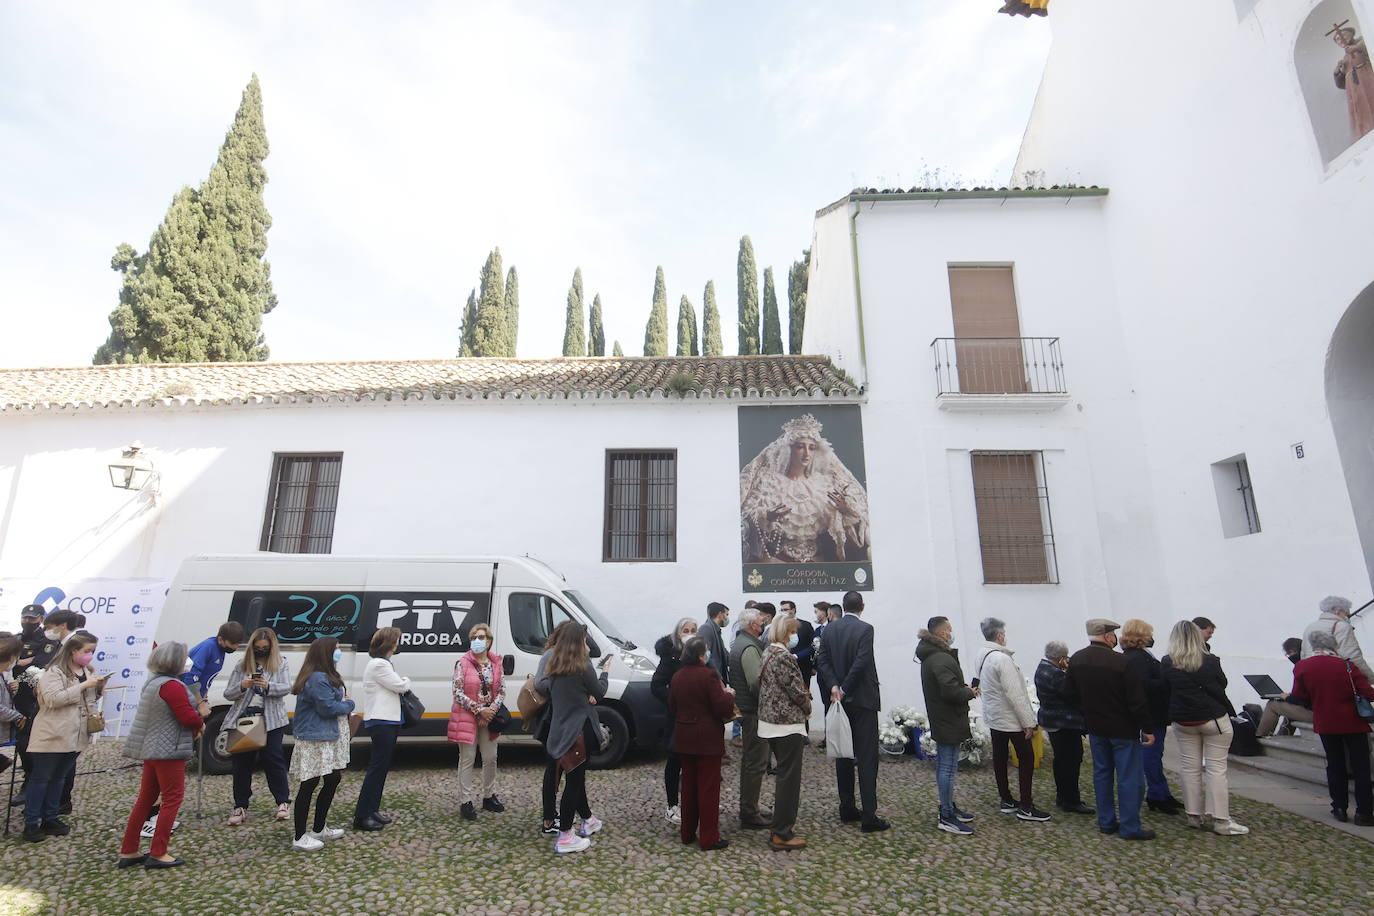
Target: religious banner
x: 121, y: 613
x: 803, y: 500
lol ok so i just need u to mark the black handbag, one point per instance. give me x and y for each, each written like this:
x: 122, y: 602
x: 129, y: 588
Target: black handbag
x: 412, y: 710
x: 501, y: 721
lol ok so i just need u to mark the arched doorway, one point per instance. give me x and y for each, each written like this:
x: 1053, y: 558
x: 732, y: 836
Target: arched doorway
x: 1350, y: 404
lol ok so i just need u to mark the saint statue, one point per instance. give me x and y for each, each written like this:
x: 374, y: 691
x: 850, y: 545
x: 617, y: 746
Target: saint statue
x: 1353, y: 74
x: 800, y: 504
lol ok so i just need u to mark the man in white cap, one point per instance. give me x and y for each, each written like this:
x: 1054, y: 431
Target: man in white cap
x: 1117, y: 716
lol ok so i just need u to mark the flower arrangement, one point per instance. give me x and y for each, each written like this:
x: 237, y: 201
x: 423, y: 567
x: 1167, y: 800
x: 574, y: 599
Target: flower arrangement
x: 977, y: 749
x: 908, y: 717
x: 892, y: 737
x: 928, y: 744
x: 30, y: 676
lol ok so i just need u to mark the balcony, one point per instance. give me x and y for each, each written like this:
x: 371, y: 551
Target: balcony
x: 999, y: 373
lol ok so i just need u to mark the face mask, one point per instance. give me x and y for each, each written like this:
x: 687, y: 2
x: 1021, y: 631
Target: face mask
x: 30, y: 629
x: 951, y: 639
x: 1151, y: 643
x: 479, y: 646
x: 84, y: 658
x: 708, y: 656
x: 683, y: 637
x: 54, y: 635
x: 186, y: 668
x: 338, y: 656
x: 261, y: 653
x: 792, y: 641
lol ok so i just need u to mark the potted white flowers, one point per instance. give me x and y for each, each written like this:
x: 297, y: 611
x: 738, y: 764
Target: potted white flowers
x: 903, y: 730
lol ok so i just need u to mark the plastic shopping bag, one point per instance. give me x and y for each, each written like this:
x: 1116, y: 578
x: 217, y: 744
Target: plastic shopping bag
x: 839, y: 739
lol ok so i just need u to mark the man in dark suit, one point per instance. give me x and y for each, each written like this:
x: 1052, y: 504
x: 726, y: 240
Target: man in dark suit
x: 717, y: 617
x: 846, y: 662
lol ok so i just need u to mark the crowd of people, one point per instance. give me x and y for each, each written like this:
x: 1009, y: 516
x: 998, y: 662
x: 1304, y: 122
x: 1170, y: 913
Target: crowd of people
x: 1125, y: 704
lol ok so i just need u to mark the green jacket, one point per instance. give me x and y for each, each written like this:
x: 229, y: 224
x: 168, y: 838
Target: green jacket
x: 947, y: 696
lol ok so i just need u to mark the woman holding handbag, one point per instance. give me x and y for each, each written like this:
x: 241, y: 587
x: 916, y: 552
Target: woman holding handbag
x: 68, y: 714
x: 1331, y: 685
x: 262, y: 681
x: 784, y: 711
x: 573, y: 687
x: 382, y: 689
x: 163, y: 737
x: 479, y: 696
x: 322, y: 739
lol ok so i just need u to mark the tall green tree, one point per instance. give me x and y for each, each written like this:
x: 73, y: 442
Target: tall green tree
x: 490, y: 337
x: 512, y: 308
x: 616, y: 351
x: 747, y: 297
x: 199, y: 292
x: 711, y: 344
x: 656, y: 330
x: 688, y: 340
x: 469, y: 329
x: 596, y: 343
x: 574, y: 335
x: 796, y: 302
x: 772, y: 326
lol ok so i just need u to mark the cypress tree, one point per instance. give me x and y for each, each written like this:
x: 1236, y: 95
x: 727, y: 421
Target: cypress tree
x: 200, y: 290
x: 616, y: 351
x: 512, y: 308
x: 747, y: 297
x: 656, y: 330
x: 596, y: 344
x: 489, y: 333
x: 796, y: 302
x: 469, y: 328
x: 574, y: 337
x: 772, y: 327
x: 688, y: 343
x: 710, y: 323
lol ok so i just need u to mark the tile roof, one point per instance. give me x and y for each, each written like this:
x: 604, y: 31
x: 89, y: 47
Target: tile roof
x: 230, y: 384
x: 976, y: 193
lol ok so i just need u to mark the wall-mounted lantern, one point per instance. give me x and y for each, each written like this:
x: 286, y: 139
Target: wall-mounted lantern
x: 134, y: 471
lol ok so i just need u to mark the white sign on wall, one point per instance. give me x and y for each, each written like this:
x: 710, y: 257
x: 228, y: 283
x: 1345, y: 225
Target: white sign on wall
x: 121, y: 613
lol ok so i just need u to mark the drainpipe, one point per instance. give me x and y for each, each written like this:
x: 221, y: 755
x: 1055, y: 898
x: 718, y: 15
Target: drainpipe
x: 858, y: 292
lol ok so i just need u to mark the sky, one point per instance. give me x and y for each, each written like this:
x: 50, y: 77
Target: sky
x: 410, y: 139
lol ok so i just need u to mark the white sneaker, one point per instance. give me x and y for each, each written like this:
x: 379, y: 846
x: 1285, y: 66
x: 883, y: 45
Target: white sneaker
x: 284, y: 811
x: 150, y: 827
x: 673, y: 815
x: 238, y: 817
x: 570, y: 842
x: 307, y: 843
x: 1229, y: 828
x: 328, y: 833
x: 589, y: 826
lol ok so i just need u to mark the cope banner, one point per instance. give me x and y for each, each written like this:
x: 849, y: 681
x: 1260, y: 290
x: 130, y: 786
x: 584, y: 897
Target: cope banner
x: 121, y: 613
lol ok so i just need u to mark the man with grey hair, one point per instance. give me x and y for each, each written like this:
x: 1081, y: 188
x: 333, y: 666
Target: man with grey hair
x: 1010, y: 718
x: 746, y: 661
x: 1335, y: 619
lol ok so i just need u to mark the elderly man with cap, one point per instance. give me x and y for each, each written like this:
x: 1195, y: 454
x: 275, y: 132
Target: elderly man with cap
x: 37, y: 652
x: 1117, y: 717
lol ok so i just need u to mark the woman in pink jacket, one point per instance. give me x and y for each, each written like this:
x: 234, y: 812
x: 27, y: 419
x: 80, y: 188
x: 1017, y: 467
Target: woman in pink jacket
x: 478, y: 694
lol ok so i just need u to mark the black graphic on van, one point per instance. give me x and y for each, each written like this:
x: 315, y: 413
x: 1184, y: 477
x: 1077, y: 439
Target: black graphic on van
x: 428, y: 621
x: 300, y: 617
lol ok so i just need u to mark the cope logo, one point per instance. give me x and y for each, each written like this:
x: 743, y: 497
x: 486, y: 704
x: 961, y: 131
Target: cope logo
x: 135, y: 609
x: 136, y: 640
x: 125, y: 674
x: 100, y: 656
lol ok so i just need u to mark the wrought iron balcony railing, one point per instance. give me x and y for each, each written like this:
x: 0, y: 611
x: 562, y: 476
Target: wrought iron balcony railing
x: 998, y: 365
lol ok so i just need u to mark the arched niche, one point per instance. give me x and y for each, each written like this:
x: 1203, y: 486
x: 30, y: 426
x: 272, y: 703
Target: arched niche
x: 1350, y: 404
x: 1316, y: 56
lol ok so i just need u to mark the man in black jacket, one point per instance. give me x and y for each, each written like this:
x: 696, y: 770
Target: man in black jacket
x: 1118, y: 719
x: 717, y: 616
x: 847, y: 664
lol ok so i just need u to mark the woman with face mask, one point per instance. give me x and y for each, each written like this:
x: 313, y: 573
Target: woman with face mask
x: 322, y: 739
x: 784, y: 711
x: 478, y: 694
x: 68, y: 693
x: 262, y: 679
x: 669, y: 649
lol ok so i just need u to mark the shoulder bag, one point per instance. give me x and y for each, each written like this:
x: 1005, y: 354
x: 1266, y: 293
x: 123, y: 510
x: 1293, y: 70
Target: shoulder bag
x: 530, y: 702
x: 95, y: 721
x: 249, y: 731
x: 1363, y: 708
x: 412, y: 710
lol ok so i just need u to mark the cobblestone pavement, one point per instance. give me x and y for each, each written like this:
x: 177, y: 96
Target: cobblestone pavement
x: 431, y: 861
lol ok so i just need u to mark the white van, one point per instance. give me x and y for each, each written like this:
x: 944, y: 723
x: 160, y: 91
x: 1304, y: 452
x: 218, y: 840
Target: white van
x: 434, y: 601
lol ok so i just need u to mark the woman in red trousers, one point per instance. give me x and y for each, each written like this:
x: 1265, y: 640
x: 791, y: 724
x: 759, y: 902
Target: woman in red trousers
x: 700, y: 707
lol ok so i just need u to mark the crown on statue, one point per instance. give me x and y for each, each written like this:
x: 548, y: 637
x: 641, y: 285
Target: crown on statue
x: 803, y: 427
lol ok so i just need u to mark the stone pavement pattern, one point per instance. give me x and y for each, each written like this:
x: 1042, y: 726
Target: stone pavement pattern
x: 431, y: 861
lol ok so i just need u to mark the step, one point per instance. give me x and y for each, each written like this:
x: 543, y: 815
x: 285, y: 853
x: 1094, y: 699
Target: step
x: 1302, y: 749
x: 1312, y: 773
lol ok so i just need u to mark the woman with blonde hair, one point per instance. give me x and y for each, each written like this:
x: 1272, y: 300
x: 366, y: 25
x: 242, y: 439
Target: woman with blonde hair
x: 69, y: 693
x: 262, y: 680
x: 478, y: 694
x: 1137, y: 638
x: 784, y: 711
x: 382, y: 689
x: 1201, y: 714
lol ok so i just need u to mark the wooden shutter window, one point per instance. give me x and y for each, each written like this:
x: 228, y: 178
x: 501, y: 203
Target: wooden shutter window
x: 987, y: 331
x: 1012, y: 536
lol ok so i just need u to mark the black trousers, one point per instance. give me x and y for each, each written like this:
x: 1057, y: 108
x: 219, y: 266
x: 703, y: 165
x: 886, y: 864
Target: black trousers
x: 1067, y: 744
x: 273, y: 760
x: 1338, y: 774
x: 378, y: 765
x: 864, y: 724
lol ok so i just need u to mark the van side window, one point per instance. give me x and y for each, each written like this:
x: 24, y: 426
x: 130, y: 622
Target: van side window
x: 532, y: 619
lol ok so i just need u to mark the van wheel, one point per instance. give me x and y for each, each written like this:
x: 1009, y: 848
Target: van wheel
x: 620, y: 740
x: 214, y: 753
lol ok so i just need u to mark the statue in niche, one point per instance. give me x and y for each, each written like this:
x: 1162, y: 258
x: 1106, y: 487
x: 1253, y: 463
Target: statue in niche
x: 1354, y: 75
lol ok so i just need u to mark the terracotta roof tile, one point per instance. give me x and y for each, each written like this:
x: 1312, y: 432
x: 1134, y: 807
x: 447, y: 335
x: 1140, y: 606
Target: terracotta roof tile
x: 211, y: 384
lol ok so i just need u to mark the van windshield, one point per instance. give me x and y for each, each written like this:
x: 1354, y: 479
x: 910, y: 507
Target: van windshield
x: 602, y: 622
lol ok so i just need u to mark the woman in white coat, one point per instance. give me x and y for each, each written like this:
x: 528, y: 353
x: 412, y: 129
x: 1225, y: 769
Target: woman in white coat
x: 382, y: 689
x: 1009, y: 716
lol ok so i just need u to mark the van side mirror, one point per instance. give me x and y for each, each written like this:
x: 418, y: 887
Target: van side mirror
x: 592, y: 648
x: 508, y: 665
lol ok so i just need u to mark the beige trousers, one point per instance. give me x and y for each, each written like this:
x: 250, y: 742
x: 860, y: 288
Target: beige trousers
x: 1202, y: 749
x: 467, y: 756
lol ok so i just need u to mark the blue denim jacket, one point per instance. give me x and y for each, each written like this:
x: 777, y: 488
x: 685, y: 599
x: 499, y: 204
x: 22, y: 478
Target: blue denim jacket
x: 318, y: 709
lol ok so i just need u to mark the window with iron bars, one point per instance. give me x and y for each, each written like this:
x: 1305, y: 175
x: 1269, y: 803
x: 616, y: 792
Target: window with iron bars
x: 1015, y: 530
x: 301, y: 503
x: 641, y: 506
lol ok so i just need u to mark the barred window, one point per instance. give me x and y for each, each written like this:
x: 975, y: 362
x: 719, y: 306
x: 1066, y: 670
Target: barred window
x: 301, y: 503
x: 641, y: 506
x: 1015, y: 534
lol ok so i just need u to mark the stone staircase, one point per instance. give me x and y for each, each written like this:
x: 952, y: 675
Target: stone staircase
x: 1297, y: 757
